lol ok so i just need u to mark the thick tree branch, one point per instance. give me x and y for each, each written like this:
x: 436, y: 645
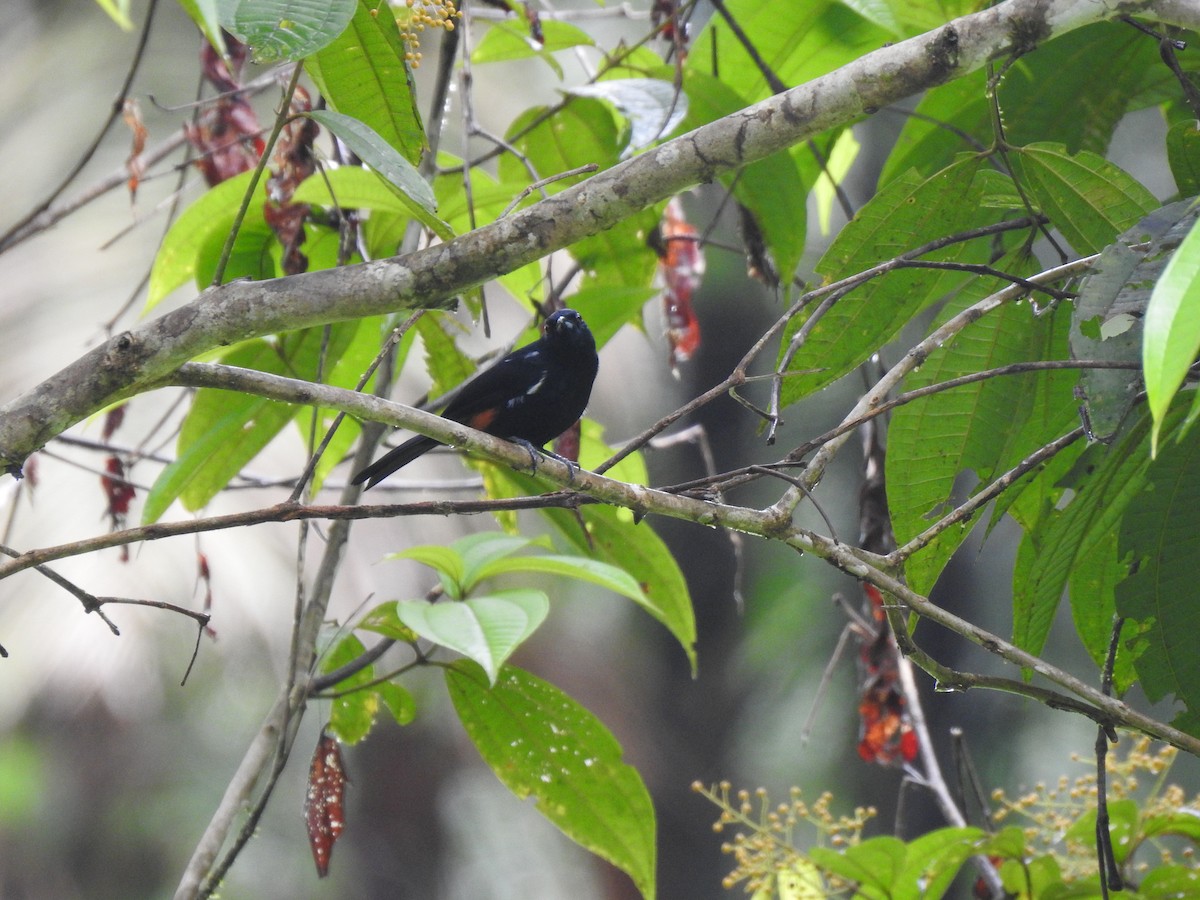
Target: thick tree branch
x: 136, y: 360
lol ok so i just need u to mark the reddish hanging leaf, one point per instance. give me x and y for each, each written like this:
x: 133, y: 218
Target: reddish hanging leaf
x: 213, y: 67
x: 205, y: 577
x: 118, y: 492
x: 131, y: 113
x: 226, y: 135
x: 535, y: 25
x: 664, y: 14
x: 293, y: 162
x: 324, y: 803
x: 681, y: 262
x: 886, y: 734
x: 112, y: 421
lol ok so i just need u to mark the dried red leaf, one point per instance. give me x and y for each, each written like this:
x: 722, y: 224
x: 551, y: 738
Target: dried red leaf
x: 131, y: 113
x: 681, y: 262
x: 112, y: 421
x: 293, y: 162
x: 118, y: 492
x: 664, y: 14
x: 227, y: 139
x: 29, y: 471
x: 324, y: 802
x: 205, y: 576
x: 215, y: 69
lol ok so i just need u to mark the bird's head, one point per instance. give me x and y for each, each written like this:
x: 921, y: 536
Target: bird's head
x: 568, y: 326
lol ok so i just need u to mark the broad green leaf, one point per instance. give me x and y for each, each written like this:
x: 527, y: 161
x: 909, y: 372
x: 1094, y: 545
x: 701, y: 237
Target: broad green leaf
x: 1087, y: 198
x: 384, y: 620
x: 1160, y: 535
x: 1040, y: 97
x: 1184, y: 822
x: 349, y: 187
x: 486, y: 629
x: 653, y: 107
x: 363, y: 74
x: 1183, y: 155
x: 447, y: 365
x: 590, y: 570
x: 398, y: 701
x: 351, y: 715
x: 917, y: 17
x: 480, y: 551
x: 1105, y: 482
x: 873, y: 864
x: 607, y: 309
x: 1111, y: 307
x: 800, y: 881
x: 414, y: 192
x: 906, y: 214
x: 933, y: 860
x: 841, y: 158
x: 198, y: 235
x: 985, y: 427
x: 1092, y: 589
x: 279, y: 30
x: 207, y: 17
x: 446, y: 561
x: 1122, y: 826
x: 1172, y: 327
x: 797, y: 48
x: 506, y: 41
x: 582, y: 132
x: 224, y: 430
x: 118, y: 11
x: 612, y: 537
x: 541, y: 743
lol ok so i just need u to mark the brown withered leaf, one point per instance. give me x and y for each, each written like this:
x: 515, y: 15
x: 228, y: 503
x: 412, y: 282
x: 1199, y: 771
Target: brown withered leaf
x: 324, y: 803
x: 681, y: 262
x: 131, y: 114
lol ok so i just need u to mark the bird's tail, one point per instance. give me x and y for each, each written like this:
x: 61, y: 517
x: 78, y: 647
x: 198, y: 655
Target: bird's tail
x: 393, y: 460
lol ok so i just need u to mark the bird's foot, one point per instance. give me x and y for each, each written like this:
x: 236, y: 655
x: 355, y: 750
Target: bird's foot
x: 534, y: 452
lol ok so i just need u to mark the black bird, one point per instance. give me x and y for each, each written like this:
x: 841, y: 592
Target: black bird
x: 530, y: 397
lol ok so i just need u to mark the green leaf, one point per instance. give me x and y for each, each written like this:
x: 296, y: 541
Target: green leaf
x: 592, y: 571
x: 486, y: 629
x: 933, y: 860
x: 480, y: 552
x: 1172, y: 327
x: 118, y: 11
x: 446, y: 561
x: 1160, y: 531
x: 906, y: 214
x: 1052, y: 94
x: 506, y: 41
x: 541, y: 743
x: 653, y: 107
x: 398, y: 700
x: 200, y: 232
x: 207, y: 18
x: 1183, y: 155
x: 363, y: 74
x: 796, y: 47
x: 351, y: 715
x: 384, y: 620
x: 224, y: 430
x: 1087, y: 198
x: 414, y: 192
x: 1122, y: 825
x: 1106, y: 480
x: 986, y: 427
x: 1109, y: 313
x: 874, y: 864
x: 279, y: 30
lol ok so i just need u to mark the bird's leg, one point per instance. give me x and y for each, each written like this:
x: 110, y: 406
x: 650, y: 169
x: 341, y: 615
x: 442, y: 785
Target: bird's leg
x: 572, y: 466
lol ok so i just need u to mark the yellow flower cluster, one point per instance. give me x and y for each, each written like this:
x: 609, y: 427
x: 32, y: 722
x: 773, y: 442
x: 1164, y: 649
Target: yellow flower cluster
x: 422, y: 14
x: 763, y: 848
